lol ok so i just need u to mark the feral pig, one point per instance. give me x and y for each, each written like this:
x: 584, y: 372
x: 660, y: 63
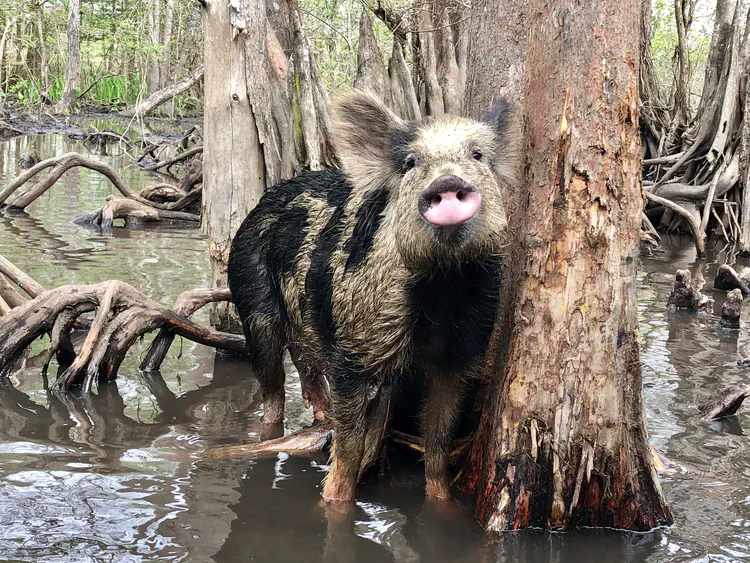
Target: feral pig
x: 388, y: 269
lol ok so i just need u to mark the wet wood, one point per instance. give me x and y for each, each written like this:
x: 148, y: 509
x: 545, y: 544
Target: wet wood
x: 186, y: 304
x: 60, y: 165
x: 184, y: 155
x: 165, y: 94
x: 728, y: 279
x: 134, y: 213
x: 21, y: 278
x: 732, y: 309
x: 685, y: 295
x: 307, y: 441
x: 108, y: 340
x: 725, y: 403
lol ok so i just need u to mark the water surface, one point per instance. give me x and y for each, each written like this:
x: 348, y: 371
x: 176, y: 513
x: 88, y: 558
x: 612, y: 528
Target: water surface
x: 120, y: 475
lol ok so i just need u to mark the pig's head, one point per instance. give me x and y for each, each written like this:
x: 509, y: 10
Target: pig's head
x: 445, y: 177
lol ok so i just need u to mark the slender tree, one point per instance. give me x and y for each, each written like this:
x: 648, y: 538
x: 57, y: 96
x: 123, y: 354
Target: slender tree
x: 73, y: 66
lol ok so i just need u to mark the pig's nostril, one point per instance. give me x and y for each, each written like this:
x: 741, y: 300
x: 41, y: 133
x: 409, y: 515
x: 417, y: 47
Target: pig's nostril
x: 460, y: 195
x: 435, y: 199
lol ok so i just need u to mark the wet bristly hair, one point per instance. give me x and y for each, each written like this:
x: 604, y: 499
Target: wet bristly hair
x: 378, y: 151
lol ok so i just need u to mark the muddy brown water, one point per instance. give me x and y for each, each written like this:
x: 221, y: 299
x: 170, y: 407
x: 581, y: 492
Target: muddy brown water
x: 119, y: 475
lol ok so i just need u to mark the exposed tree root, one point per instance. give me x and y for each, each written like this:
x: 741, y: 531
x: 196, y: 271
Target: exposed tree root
x: 60, y: 165
x: 172, y: 161
x: 307, y: 441
x: 123, y: 314
x: 703, y: 163
x: 134, y: 213
x: 691, y: 221
x: 158, y: 203
x: 185, y: 305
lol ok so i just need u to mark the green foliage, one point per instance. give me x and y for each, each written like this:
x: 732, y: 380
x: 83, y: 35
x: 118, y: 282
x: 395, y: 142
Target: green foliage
x: 664, y: 43
x: 116, y: 49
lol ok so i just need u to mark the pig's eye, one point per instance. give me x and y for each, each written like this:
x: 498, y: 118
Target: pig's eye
x: 409, y: 163
x: 477, y: 154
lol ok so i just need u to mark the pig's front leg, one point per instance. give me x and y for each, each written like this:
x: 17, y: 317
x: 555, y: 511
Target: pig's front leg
x: 439, y: 416
x: 349, y: 398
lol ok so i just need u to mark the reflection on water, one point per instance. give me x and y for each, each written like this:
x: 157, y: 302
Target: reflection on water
x: 119, y: 475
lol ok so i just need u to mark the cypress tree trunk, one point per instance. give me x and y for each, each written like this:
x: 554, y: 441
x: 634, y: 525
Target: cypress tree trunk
x: 567, y: 442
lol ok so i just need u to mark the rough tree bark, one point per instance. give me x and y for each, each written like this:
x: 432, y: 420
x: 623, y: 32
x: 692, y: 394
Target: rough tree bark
x: 681, y: 113
x: 234, y: 169
x: 449, y: 75
x: 73, y: 67
x: 371, y: 74
x: 428, y: 59
x: 568, y: 445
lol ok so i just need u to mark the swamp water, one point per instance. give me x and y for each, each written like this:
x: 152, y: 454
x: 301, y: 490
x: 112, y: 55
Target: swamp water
x: 119, y: 476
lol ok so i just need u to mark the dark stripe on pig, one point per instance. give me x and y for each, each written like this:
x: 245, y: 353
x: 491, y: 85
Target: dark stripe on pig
x: 400, y: 140
x: 288, y: 235
x: 367, y: 225
x: 319, y: 280
x: 453, y: 314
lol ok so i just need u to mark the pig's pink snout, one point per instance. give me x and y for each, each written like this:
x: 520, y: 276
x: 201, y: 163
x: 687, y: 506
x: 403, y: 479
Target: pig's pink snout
x: 449, y: 201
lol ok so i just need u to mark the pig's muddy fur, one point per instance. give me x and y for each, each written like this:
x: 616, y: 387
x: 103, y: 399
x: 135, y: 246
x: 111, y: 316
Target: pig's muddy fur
x: 387, y: 269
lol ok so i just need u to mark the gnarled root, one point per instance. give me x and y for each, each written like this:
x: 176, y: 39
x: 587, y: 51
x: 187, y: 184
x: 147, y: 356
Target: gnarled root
x: 123, y: 314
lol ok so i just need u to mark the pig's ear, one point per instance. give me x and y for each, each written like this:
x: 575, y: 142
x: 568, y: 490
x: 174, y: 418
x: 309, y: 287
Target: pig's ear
x: 499, y: 118
x: 369, y: 138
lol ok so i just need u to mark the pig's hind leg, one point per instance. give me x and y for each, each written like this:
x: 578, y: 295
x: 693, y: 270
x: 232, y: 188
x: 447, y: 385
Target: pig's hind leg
x: 265, y: 338
x: 349, y: 398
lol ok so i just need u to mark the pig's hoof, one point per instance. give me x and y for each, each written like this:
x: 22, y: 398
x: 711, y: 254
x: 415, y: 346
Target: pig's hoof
x: 438, y: 489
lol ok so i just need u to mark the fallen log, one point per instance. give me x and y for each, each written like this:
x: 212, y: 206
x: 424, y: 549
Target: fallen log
x: 725, y: 403
x: 174, y: 160
x: 306, y: 441
x: 164, y: 95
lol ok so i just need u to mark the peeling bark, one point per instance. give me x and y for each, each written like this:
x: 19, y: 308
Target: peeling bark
x: 568, y: 444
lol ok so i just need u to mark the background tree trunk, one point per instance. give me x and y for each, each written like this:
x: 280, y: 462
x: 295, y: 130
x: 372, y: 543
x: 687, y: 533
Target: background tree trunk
x: 154, y: 26
x: 568, y: 444
x: 73, y: 67
x: 164, y: 75
x: 371, y: 74
x: 43, y: 69
x: 234, y: 169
